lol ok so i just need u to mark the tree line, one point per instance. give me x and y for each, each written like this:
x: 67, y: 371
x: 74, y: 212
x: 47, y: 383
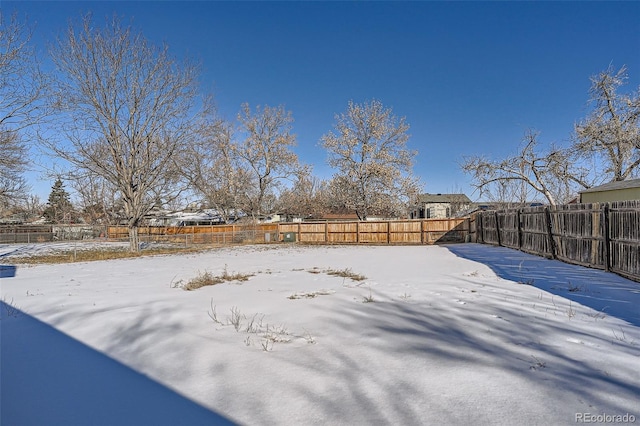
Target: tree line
x: 133, y: 130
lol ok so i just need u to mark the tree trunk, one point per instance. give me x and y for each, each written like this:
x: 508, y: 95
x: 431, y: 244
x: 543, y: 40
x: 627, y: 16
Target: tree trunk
x: 134, y: 239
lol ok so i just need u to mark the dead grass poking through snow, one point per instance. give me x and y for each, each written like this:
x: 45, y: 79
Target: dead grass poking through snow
x: 344, y: 273
x: 207, y: 278
x: 310, y: 295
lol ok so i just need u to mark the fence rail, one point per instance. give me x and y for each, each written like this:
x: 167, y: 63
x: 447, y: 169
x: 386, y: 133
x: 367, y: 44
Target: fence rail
x: 604, y: 236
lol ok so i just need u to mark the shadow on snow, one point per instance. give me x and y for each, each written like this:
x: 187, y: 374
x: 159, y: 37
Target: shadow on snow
x: 464, y: 369
x: 603, y: 291
x: 50, y: 378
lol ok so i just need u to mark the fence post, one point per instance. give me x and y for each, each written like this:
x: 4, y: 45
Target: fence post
x: 547, y: 215
x: 607, y: 239
x: 326, y: 232
x: 495, y: 214
x: 519, y: 229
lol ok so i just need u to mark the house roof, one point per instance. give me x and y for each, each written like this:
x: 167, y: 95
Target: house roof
x: 443, y: 198
x: 612, y: 186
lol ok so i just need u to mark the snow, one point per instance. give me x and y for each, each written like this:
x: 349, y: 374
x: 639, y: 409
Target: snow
x: 456, y: 334
x: 25, y: 250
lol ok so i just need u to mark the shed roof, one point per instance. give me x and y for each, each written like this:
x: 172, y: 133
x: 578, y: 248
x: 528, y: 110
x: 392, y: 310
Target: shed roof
x: 443, y: 198
x: 612, y: 186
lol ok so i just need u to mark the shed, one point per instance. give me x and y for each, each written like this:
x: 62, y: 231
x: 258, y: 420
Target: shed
x: 613, y: 191
x: 440, y: 206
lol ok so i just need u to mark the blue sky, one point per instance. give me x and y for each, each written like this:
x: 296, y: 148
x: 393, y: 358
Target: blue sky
x: 470, y: 77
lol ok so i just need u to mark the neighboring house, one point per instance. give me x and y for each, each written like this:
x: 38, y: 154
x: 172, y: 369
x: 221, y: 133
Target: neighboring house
x: 612, y: 191
x: 12, y: 220
x: 272, y: 218
x: 186, y: 218
x: 440, y: 206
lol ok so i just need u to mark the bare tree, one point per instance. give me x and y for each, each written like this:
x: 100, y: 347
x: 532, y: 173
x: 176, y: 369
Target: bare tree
x: 214, y: 171
x: 31, y: 208
x: 21, y: 82
x: 374, y: 167
x: 606, y: 147
x: 125, y: 110
x: 96, y: 199
x: 612, y: 131
x: 532, y: 171
x: 21, y: 87
x: 307, y: 197
x: 13, y: 186
x: 265, y: 154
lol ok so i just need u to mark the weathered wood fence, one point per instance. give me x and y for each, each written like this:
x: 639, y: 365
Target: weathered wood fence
x: 604, y: 236
x: 428, y: 231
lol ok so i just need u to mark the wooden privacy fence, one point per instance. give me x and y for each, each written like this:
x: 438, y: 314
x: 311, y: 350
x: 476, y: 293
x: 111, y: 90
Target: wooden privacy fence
x: 604, y: 236
x: 380, y: 232
x: 428, y: 231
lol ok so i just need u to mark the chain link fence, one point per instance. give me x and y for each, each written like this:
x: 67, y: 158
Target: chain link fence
x: 15, y: 234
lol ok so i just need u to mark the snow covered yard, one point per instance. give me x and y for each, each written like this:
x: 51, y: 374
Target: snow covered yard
x: 459, y: 334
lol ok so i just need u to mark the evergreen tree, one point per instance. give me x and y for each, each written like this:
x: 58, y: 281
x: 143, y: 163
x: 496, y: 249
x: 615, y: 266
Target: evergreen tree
x: 59, y: 208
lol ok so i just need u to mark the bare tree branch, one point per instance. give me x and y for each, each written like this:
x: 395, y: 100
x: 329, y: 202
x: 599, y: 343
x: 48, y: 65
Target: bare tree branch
x: 213, y: 170
x: 21, y: 88
x: 21, y: 82
x: 612, y: 130
x: 265, y: 154
x: 548, y: 173
x: 605, y: 147
x: 308, y: 197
